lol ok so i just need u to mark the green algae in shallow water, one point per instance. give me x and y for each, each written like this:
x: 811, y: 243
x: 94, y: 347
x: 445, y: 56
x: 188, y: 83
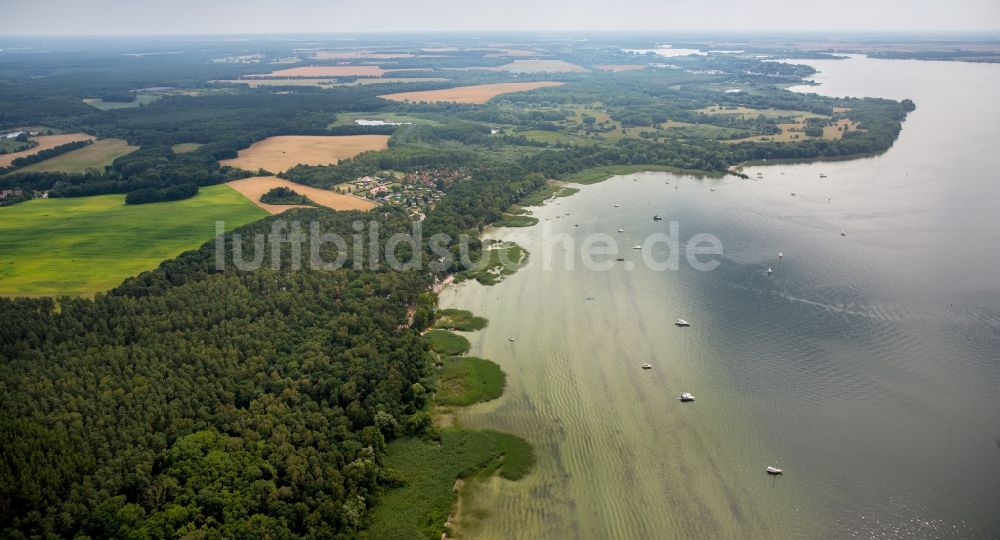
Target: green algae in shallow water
x: 447, y: 343
x: 464, y: 380
x: 459, y: 319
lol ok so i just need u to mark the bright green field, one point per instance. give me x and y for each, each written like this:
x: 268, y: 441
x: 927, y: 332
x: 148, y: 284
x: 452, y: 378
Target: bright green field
x: 84, y: 245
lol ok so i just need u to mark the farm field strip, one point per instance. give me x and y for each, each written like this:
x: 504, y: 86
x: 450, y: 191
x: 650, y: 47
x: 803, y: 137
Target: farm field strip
x: 81, y: 246
x: 96, y: 155
x: 45, y: 142
x: 253, y: 188
x: 278, y: 154
x: 477, y: 94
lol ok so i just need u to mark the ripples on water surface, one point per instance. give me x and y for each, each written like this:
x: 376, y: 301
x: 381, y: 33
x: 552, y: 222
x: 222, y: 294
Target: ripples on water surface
x: 867, y: 366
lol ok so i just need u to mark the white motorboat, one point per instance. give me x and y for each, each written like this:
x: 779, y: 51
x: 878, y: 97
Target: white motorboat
x: 621, y: 230
x: 510, y: 339
x: 637, y: 246
x: 769, y: 271
x: 774, y: 470
x: 780, y: 254
x: 647, y: 366
x: 682, y: 322
x: 842, y: 233
x: 686, y: 397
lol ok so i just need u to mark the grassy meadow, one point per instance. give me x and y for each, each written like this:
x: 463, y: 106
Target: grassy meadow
x: 93, y: 156
x: 82, y: 246
x: 183, y: 148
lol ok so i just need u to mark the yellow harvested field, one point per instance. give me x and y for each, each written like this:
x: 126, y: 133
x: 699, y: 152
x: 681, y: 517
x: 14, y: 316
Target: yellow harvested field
x: 620, y: 67
x: 329, y: 71
x: 327, y: 83
x: 278, y: 154
x: 540, y: 66
x: 254, y: 188
x: 45, y: 142
x: 352, y: 55
x: 478, y: 94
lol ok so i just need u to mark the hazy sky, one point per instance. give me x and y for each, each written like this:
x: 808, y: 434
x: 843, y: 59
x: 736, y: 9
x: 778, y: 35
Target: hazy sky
x: 284, y: 16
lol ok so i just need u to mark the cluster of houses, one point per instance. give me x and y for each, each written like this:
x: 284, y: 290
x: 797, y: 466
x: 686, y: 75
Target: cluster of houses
x: 417, y: 191
x: 17, y: 192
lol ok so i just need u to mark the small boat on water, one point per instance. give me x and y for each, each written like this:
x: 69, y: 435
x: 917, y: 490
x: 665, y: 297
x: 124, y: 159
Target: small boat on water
x: 621, y: 230
x: 842, y: 233
x: 616, y: 206
x: 620, y: 259
x: 793, y: 194
x: 686, y: 397
x: 711, y: 189
x: 647, y: 366
x: 769, y: 271
x: 510, y: 339
x: 821, y: 175
x: 682, y: 322
x: 637, y: 246
x: 774, y: 470
x: 657, y: 218
x: 780, y: 254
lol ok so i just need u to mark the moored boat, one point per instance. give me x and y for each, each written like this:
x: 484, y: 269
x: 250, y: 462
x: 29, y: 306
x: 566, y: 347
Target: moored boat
x: 774, y: 470
x: 682, y: 322
x: 686, y: 397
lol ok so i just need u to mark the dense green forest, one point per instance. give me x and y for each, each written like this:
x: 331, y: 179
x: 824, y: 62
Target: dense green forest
x: 249, y: 404
x: 240, y: 403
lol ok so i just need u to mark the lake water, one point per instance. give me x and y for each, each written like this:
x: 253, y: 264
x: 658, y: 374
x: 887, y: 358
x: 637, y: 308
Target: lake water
x: 866, y: 365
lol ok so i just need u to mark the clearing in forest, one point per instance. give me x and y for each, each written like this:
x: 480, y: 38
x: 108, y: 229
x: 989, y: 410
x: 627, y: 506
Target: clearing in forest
x: 254, y: 188
x: 540, y: 66
x: 278, y: 154
x: 477, y: 94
